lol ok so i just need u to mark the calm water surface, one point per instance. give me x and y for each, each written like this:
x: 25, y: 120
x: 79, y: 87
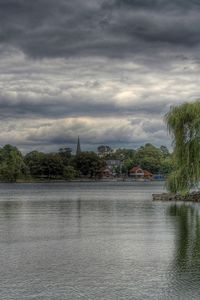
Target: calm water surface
x: 96, y: 241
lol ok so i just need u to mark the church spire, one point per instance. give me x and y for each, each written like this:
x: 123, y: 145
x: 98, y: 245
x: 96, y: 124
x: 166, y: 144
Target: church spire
x: 78, y: 148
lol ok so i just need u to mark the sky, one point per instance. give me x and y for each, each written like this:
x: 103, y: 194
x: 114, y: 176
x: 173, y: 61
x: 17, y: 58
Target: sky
x: 104, y: 70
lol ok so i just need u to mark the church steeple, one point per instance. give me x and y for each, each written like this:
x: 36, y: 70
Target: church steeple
x: 78, y: 148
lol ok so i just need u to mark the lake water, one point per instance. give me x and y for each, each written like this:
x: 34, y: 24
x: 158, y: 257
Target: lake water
x: 96, y: 241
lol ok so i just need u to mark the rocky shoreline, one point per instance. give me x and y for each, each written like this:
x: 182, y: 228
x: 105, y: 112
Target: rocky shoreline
x: 192, y: 197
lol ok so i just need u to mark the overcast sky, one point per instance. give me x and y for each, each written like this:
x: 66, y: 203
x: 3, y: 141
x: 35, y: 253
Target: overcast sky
x: 106, y: 70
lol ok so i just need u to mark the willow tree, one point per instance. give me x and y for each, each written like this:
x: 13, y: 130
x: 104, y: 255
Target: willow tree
x: 184, y: 125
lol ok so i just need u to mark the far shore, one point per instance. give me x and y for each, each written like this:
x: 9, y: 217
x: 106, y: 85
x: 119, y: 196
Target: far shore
x: 119, y: 179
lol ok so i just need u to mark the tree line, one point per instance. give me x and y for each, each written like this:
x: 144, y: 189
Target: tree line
x: 64, y: 165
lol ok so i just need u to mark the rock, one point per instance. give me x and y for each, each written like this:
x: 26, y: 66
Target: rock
x: 192, y: 197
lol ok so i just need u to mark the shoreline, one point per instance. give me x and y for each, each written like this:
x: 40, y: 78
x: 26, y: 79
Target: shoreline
x: 80, y: 180
x: 168, y: 197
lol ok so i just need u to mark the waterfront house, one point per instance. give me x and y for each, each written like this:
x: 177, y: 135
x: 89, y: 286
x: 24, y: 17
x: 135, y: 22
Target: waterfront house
x: 115, y: 166
x: 136, y: 172
x: 148, y: 175
x: 139, y: 173
x: 106, y: 173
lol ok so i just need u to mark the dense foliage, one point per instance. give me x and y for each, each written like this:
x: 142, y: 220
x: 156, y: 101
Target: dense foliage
x: 148, y: 157
x: 88, y: 164
x: 63, y: 165
x: 44, y: 165
x: 184, y: 125
x: 12, y: 166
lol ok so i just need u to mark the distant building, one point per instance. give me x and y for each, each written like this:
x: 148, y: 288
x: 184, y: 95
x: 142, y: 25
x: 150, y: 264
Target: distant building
x: 78, y: 147
x: 139, y: 173
x: 136, y: 172
x: 113, y: 162
x: 148, y: 175
x: 115, y: 166
x: 106, y: 173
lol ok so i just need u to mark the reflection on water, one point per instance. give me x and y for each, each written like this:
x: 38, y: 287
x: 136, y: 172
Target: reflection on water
x: 188, y: 235
x: 186, y: 263
x: 96, y: 241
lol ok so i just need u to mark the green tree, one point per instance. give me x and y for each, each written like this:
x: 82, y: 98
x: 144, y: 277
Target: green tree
x: 88, y: 164
x: 69, y: 173
x: 184, y: 125
x: 34, y: 161
x: 125, y: 154
x: 149, y: 158
x: 12, y: 166
x: 105, y: 151
x: 44, y: 165
x: 53, y: 165
x: 164, y: 151
x: 127, y: 165
x: 66, y: 155
x: 167, y: 165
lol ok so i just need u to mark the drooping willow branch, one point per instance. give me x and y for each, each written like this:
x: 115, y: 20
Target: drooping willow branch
x: 184, y: 125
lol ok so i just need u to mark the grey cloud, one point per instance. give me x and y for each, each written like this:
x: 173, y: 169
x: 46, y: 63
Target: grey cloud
x: 51, y: 107
x: 50, y: 28
x: 51, y: 89
x: 153, y: 127
x: 93, y: 132
x: 159, y: 4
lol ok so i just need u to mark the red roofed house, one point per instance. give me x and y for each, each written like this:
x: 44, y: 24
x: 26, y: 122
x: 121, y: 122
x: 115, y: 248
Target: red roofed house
x: 148, y: 175
x: 139, y: 173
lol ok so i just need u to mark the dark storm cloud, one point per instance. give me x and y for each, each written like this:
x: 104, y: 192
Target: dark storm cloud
x: 47, y: 28
x: 158, y: 4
